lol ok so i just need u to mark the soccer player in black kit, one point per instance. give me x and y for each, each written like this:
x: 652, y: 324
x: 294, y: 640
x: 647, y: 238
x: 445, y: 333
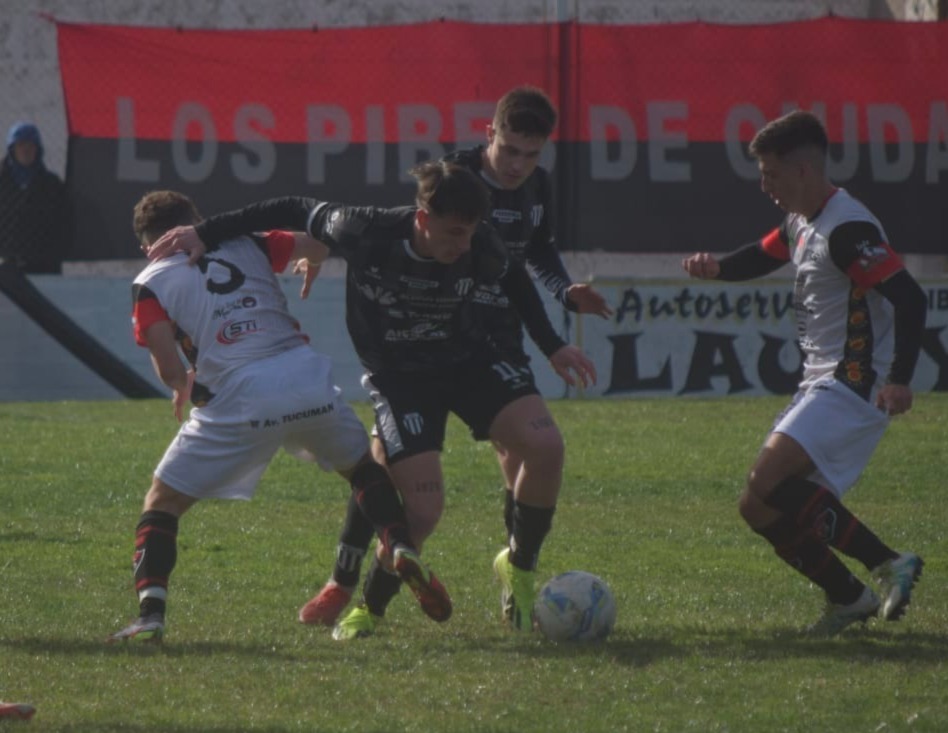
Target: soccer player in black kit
x: 521, y: 212
x: 415, y: 277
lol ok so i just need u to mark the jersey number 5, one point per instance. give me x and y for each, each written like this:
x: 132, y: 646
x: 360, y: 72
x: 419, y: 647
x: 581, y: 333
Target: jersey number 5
x: 235, y: 279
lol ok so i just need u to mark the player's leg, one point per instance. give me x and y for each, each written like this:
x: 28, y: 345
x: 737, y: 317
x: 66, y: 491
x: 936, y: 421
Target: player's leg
x: 838, y: 430
x: 354, y: 540
x: 526, y: 428
x: 357, y: 531
x: 380, y: 503
x: 776, y: 505
x: 411, y: 416
x: 331, y: 435
x: 156, y: 538
x: 217, y: 453
x: 418, y: 479
x: 510, y: 464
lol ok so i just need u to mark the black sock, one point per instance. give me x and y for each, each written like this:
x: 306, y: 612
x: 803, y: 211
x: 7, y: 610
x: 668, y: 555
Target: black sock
x: 802, y: 550
x: 508, y: 512
x: 813, y: 506
x: 156, y: 553
x: 530, y: 527
x: 380, y: 588
x: 380, y: 504
x: 354, y: 542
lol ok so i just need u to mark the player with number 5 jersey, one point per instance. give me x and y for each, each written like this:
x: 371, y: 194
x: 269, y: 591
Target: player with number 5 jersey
x: 258, y: 387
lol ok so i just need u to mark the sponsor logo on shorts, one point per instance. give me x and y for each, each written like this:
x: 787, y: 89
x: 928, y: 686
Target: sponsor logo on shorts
x: 233, y: 331
x: 272, y: 422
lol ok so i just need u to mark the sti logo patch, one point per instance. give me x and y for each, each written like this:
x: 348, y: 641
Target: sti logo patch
x: 233, y: 331
x: 871, y: 255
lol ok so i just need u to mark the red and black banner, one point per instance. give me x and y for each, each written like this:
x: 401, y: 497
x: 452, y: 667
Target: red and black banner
x: 649, y: 155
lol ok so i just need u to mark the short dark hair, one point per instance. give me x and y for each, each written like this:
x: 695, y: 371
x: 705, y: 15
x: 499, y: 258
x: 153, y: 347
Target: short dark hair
x: 158, y: 211
x: 449, y: 189
x: 527, y: 111
x: 793, y: 131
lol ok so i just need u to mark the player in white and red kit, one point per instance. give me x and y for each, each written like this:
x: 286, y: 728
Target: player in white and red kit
x: 860, y: 319
x: 257, y: 386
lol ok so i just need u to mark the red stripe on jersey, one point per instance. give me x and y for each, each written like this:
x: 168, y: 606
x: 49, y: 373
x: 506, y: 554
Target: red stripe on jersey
x: 146, y: 313
x: 280, y: 246
x: 775, y: 245
x: 874, y: 264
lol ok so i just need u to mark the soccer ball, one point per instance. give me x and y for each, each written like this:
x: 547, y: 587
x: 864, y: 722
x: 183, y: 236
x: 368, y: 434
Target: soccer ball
x: 575, y: 606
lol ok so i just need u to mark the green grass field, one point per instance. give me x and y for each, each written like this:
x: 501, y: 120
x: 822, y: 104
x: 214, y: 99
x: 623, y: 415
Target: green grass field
x: 708, y: 635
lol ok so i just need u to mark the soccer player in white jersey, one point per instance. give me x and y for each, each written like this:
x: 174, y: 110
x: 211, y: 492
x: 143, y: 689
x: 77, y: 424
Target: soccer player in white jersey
x: 257, y: 386
x: 860, y: 319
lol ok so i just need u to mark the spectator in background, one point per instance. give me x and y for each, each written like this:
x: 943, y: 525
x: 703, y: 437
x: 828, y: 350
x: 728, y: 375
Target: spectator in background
x: 34, y: 211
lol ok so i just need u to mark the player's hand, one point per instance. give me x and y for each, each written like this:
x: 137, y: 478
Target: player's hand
x: 569, y: 360
x: 182, y: 396
x: 309, y: 271
x: 588, y: 300
x: 179, y: 239
x: 894, y: 399
x: 702, y: 265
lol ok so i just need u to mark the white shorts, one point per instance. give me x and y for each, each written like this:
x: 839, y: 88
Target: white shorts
x: 288, y: 400
x: 838, y: 429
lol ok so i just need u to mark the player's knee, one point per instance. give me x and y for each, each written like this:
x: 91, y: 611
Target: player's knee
x: 422, y: 521
x: 752, y: 510
x: 162, y: 498
x: 545, y: 447
x: 759, y: 485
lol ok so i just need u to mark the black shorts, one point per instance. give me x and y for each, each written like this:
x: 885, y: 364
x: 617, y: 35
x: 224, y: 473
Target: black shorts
x: 411, y: 410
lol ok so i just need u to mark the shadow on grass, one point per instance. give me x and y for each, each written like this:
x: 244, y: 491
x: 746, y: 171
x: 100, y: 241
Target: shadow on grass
x: 640, y: 651
x: 46, y: 539
x: 158, y: 727
x: 869, y: 644
x: 99, y: 647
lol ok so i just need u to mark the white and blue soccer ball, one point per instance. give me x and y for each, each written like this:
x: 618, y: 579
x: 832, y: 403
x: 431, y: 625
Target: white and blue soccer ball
x: 575, y: 606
